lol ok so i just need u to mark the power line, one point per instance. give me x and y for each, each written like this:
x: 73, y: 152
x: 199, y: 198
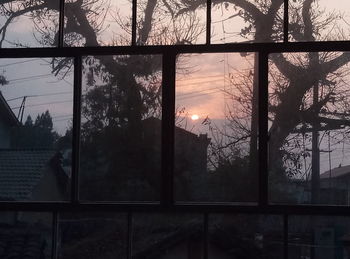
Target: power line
x: 197, y: 77
x: 199, y: 91
x: 39, y: 104
x: 69, y: 83
x: 38, y: 95
x: 198, y: 95
x: 200, y: 83
x: 19, y: 62
x: 30, y: 77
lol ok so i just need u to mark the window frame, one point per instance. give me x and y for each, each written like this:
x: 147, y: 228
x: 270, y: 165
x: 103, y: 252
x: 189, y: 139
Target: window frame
x: 167, y: 203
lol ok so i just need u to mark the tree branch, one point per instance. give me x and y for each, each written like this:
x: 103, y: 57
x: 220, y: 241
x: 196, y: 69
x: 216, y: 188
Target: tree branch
x: 77, y: 21
x: 336, y: 63
x: 245, y: 5
x: 3, y: 29
x: 285, y: 67
x: 308, y: 25
x: 147, y: 22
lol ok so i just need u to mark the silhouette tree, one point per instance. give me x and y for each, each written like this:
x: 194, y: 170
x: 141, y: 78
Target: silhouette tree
x: 308, y: 88
x: 119, y: 91
x: 126, y: 98
x: 38, y: 134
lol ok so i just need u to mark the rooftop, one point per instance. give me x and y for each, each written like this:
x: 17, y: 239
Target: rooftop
x: 21, y: 171
x: 6, y: 111
x: 336, y: 172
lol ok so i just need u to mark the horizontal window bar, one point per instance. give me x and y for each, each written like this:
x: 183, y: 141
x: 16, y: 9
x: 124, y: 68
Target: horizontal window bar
x: 180, y: 208
x: 124, y: 50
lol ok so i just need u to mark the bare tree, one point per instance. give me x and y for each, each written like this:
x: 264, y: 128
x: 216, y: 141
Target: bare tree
x: 305, y: 88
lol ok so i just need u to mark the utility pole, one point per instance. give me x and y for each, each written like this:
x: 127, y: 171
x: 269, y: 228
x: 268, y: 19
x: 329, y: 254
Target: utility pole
x: 21, y: 109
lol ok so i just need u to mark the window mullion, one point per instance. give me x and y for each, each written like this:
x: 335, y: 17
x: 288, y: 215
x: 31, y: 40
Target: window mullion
x: 285, y: 21
x: 208, y: 26
x: 206, y: 235
x: 129, y: 236
x: 54, y: 235
x: 134, y: 21
x: 168, y: 124
x: 263, y: 128
x: 61, y: 24
x: 76, y: 129
x: 285, y: 236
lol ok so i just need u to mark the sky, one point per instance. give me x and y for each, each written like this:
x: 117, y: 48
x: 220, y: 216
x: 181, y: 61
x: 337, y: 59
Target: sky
x: 201, y: 83
x: 113, y: 15
x: 33, y: 78
x: 200, y: 90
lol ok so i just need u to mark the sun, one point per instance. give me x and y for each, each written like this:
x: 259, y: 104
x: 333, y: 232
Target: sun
x: 194, y: 117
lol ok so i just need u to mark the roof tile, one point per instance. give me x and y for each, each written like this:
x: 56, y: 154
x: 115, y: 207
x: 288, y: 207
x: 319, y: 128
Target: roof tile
x: 20, y: 171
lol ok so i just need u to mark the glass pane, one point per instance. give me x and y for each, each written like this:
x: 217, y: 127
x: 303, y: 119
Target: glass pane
x: 121, y: 128
x: 167, y: 236
x: 215, y: 133
x: 36, y: 112
x: 245, y: 236
x: 320, y: 20
x: 97, y: 23
x: 309, y: 128
x: 170, y: 22
x: 318, y: 237
x: 25, y: 235
x: 29, y: 23
x: 247, y: 21
x: 92, y: 235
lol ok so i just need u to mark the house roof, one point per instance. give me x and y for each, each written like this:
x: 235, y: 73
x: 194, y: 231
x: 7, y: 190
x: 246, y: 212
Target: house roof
x: 7, y: 112
x: 336, y: 172
x: 21, y: 171
x: 179, y: 132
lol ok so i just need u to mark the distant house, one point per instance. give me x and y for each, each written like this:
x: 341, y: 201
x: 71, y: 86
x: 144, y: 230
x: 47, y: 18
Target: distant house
x: 335, y: 186
x: 190, y: 155
x: 32, y: 175
x: 190, y: 148
x: 27, y: 174
x: 8, y: 121
x: 136, y: 167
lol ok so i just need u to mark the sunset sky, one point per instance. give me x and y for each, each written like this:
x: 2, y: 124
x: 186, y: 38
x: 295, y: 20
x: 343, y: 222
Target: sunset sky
x: 201, y: 89
x: 200, y: 81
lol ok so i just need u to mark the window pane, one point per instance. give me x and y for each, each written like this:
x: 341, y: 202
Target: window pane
x: 25, y: 235
x: 97, y: 23
x: 92, y: 235
x: 170, y: 22
x: 167, y: 236
x: 247, y: 21
x: 245, y: 236
x: 36, y: 111
x: 28, y: 23
x: 309, y: 128
x: 318, y: 237
x: 121, y: 128
x: 323, y: 20
x: 215, y: 142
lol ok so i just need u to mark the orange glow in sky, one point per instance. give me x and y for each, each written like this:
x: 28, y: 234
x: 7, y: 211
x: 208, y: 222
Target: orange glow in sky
x: 194, y: 117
